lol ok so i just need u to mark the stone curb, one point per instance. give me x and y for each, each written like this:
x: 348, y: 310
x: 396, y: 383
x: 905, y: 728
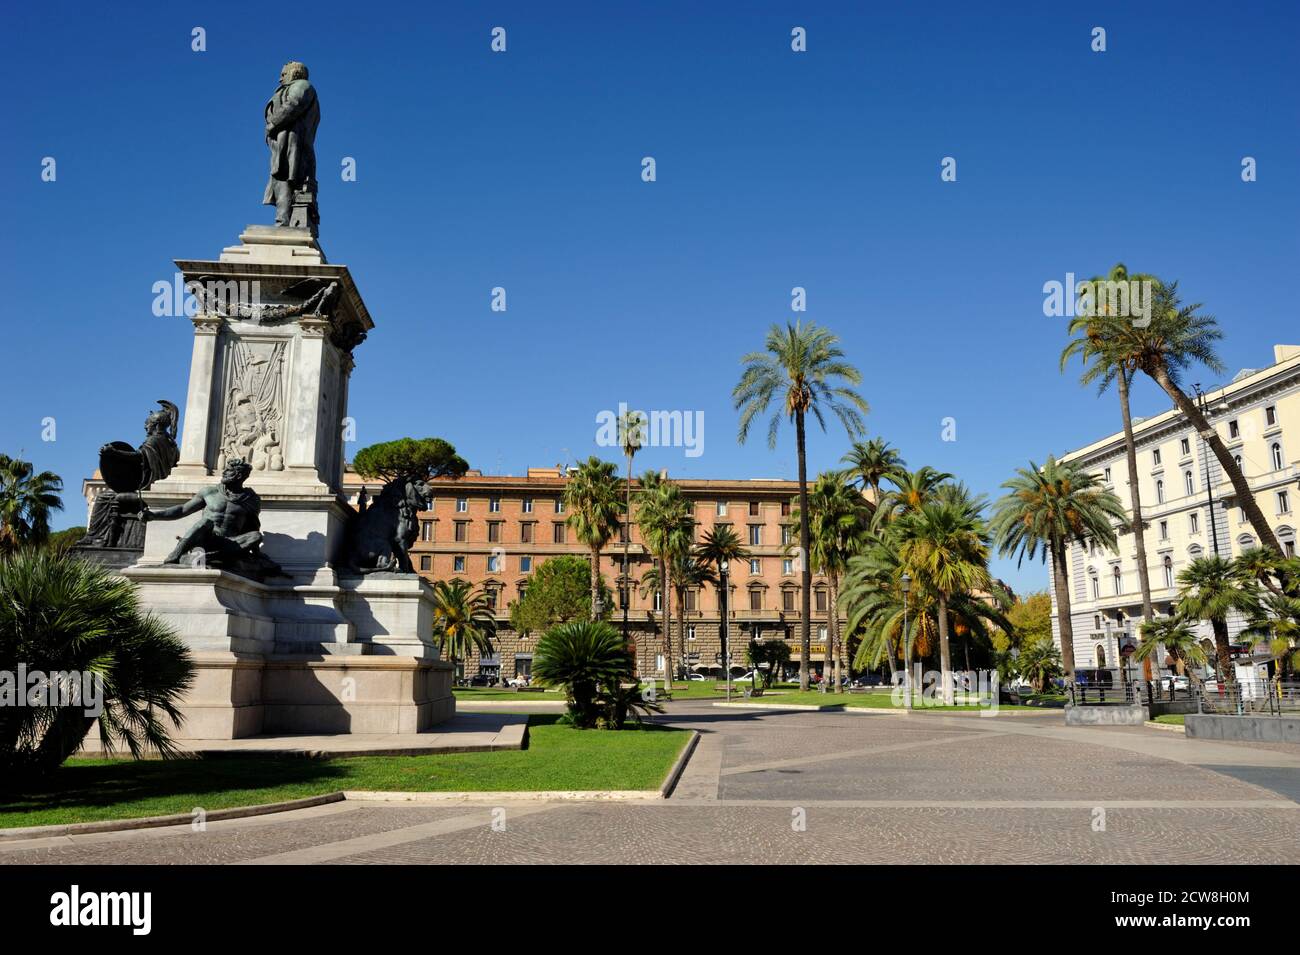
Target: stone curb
x: 684, y: 757
x: 1167, y: 727
x: 157, y: 822
x: 832, y: 707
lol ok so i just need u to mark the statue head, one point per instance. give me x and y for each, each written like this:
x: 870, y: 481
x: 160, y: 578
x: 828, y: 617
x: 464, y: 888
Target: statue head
x: 293, y: 70
x: 236, y: 472
x: 162, y: 421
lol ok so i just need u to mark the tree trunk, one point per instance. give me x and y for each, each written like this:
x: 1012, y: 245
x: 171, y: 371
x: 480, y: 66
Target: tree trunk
x: 1223, y: 651
x: 1135, y: 501
x: 1245, y: 497
x: 1063, y: 624
x: 595, y: 581
x: 805, y: 566
x: 834, y: 588
x: 663, y: 619
x: 945, y: 657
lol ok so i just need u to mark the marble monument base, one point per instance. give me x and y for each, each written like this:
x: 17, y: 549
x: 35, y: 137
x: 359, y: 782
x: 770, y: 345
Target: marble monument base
x: 347, y: 655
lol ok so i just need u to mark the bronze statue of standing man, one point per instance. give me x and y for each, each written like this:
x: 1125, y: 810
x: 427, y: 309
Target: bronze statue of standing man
x: 292, y: 116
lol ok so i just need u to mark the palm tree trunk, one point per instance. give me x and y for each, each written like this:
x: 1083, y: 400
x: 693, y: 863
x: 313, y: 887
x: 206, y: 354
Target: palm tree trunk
x: 805, y: 565
x: 1223, y: 651
x: 945, y: 657
x: 834, y: 588
x: 664, y: 595
x: 1061, y: 584
x: 1135, y: 501
x: 595, y: 581
x: 1245, y: 496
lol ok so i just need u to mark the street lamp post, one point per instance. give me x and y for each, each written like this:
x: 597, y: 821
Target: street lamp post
x: 723, y: 567
x: 1205, y: 453
x: 907, y: 643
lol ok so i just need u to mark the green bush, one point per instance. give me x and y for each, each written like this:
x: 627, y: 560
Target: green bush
x: 589, y: 660
x: 63, y: 617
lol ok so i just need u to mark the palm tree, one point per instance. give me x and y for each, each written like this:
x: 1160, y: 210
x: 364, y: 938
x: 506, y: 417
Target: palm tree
x: 26, y: 500
x: 1039, y: 663
x: 1049, y: 508
x: 1278, y: 622
x: 686, y: 571
x: 1211, y: 588
x: 591, y: 497
x: 631, y: 435
x: 838, y: 520
x: 463, y: 620
x: 1177, y: 337
x: 911, y: 490
x: 582, y: 657
x: 1178, y: 639
x: 667, y: 525
x: 63, y: 616
x: 1104, y: 347
x: 721, y: 544
x: 804, y: 366
x: 872, y: 462
x: 944, y: 546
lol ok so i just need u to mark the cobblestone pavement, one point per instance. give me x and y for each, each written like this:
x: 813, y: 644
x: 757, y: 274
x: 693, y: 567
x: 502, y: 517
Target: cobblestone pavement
x: 812, y: 788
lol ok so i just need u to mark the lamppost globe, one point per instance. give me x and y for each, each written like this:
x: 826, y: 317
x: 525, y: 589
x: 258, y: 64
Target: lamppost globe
x: 724, y: 566
x: 907, y: 583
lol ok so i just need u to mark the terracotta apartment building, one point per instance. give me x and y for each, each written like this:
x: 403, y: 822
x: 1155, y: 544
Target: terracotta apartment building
x: 495, y: 531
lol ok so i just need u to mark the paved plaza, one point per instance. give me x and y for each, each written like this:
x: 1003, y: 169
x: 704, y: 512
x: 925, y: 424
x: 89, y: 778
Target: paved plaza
x: 808, y: 787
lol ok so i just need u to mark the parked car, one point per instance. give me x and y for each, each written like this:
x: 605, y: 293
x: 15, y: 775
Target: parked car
x: 1179, y: 682
x: 695, y: 677
x: 517, y: 681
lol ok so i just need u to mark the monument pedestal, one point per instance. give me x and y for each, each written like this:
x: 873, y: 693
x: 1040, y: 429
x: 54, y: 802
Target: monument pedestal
x: 310, y: 652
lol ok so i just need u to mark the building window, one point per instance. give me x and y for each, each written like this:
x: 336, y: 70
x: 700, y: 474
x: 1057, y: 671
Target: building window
x: 462, y: 505
x: 1106, y: 475
x: 426, y: 530
x: 755, y: 535
x: 787, y: 600
x: 690, y: 633
x: 1169, y: 572
x: 494, y: 505
x: 557, y: 532
x: 624, y: 598
x: 462, y: 531
x: 755, y: 565
x: 1241, y: 515
x: 786, y: 532
x: 1194, y: 523
x: 1096, y: 588
x: 458, y: 564
x: 622, y: 532
x: 526, y: 533
x: 425, y: 562
x: 1283, y: 502
x: 1270, y: 416
x: 491, y: 594
x: 494, y: 564
x: 1185, y: 447
x: 787, y: 566
x: 753, y: 508
x: 494, y: 532
x: 659, y: 601
x: 1234, y: 430
x: 528, y: 505
x: 525, y: 564
x: 1092, y: 547
x: 1160, y: 492
x: 1118, y: 579
x: 688, y: 601
x: 1155, y: 458
x: 1096, y: 622
x: 720, y: 509
x: 785, y: 508
x: 756, y: 600
x: 1164, y: 530
x: 1189, y: 483
x: 1100, y: 653
x: 1276, y: 452
x: 559, y: 505
x: 821, y: 601
x: 523, y: 589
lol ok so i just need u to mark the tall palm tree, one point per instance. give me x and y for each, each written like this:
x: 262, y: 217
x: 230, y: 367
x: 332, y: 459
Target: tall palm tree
x: 1211, y: 588
x: 687, y: 572
x: 592, y: 499
x: 721, y: 544
x: 911, y: 490
x: 1047, y: 509
x: 1177, y: 337
x: 872, y: 462
x: 1107, y: 357
x: 26, y: 501
x: 803, y: 367
x: 667, y: 523
x: 463, y: 620
x: 944, y: 545
x: 838, y: 521
x: 631, y: 435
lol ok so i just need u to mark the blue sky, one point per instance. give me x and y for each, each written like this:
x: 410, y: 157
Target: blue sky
x: 775, y: 170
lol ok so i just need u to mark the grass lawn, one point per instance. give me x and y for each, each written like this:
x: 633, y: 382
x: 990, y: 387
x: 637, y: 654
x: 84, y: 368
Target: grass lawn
x: 557, y: 757
x: 1173, y: 719
x: 882, y: 701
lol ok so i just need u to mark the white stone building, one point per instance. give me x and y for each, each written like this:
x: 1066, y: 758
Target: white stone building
x: 1187, y: 502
